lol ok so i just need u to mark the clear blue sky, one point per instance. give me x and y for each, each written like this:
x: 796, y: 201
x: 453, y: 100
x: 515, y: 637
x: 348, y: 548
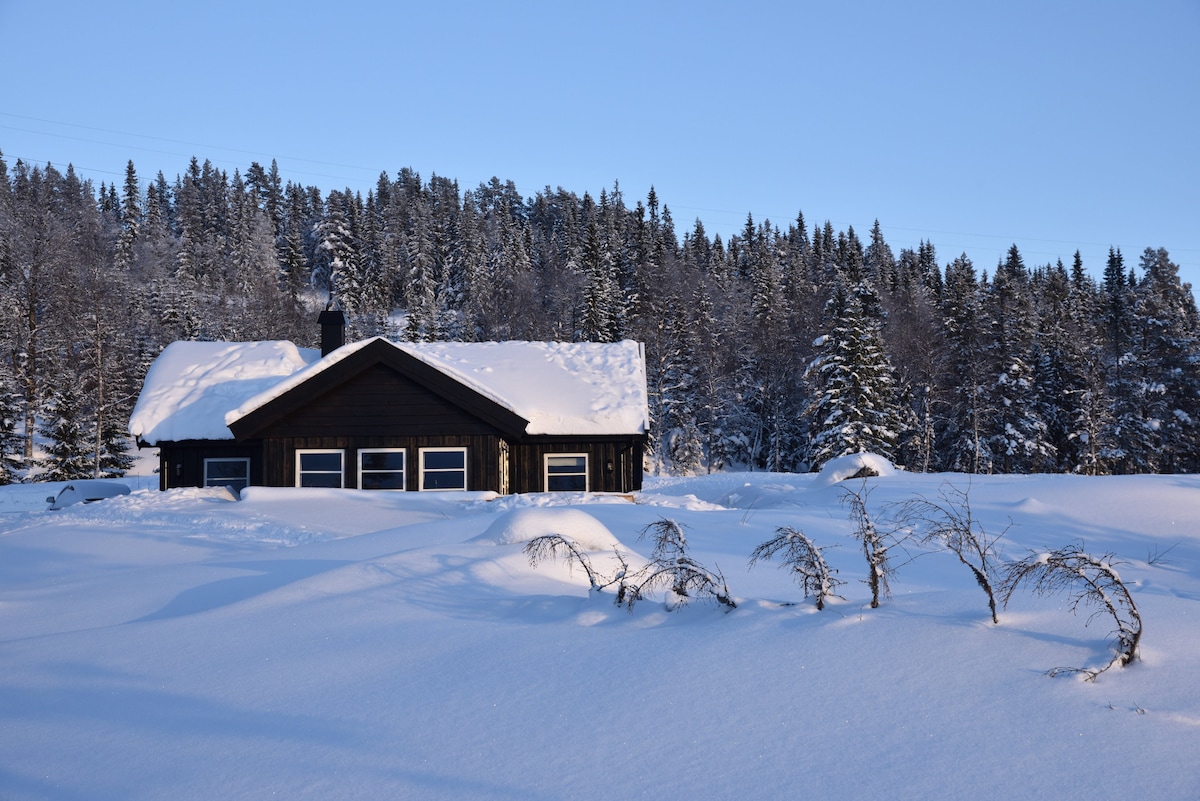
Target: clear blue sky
x: 1051, y: 125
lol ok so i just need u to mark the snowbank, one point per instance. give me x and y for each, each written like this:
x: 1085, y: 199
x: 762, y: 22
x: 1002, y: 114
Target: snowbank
x: 522, y: 525
x: 329, y: 644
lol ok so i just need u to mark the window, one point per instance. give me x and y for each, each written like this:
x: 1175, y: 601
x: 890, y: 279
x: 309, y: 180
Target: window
x: 232, y: 473
x: 443, y: 468
x: 566, y: 472
x: 319, y: 468
x: 381, y: 469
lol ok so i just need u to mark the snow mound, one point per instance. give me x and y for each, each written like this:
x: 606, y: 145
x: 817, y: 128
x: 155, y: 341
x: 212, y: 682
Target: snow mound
x: 150, y: 501
x: 688, y: 502
x: 523, y: 525
x: 762, y: 496
x: 524, y: 500
x: 854, y: 465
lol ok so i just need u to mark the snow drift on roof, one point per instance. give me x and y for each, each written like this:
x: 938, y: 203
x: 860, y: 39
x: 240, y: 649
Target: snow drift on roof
x: 191, y: 386
x: 559, y: 387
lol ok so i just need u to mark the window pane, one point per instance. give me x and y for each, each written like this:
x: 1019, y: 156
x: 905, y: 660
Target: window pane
x: 333, y: 480
x: 387, y: 460
x: 232, y: 473
x: 445, y: 460
x: 566, y: 464
x: 321, y: 461
x: 225, y: 468
x: 569, y: 483
x: 453, y: 479
x: 383, y: 481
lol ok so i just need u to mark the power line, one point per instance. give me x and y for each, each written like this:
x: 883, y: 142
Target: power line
x: 924, y: 232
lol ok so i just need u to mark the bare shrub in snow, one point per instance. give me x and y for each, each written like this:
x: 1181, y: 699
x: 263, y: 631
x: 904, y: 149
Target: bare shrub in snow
x: 1089, y: 580
x: 876, y: 544
x: 556, y: 546
x: 803, y: 558
x: 948, y: 522
x: 672, y: 569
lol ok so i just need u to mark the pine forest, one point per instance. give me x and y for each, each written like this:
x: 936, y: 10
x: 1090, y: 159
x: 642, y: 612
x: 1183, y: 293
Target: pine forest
x: 778, y: 349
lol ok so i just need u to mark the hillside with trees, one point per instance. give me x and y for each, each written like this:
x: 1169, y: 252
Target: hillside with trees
x: 778, y: 349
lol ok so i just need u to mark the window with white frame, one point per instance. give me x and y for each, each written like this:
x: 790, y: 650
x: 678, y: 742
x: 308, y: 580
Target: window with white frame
x: 566, y: 472
x: 320, y: 468
x: 381, y: 469
x: 231, y: 472
x: 443, y: 469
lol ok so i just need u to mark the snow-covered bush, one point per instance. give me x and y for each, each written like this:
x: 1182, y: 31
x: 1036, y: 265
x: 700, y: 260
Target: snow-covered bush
x: 552, y: 546
x: 672, y: 569
x: 1089, y: 580
x: 803, y: 558
x: 948, y: 521
x: 875, y: 543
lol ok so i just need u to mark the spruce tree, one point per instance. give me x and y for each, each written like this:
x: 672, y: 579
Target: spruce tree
x: 68, y: 449
x: 131, y: 218
x: 1167, y: 344
x: 1015, y: 431
x: 1117, y: 311
x: 599, y: 315
x: 11, y: 441
x: 114, y: 459
x: 964, y: 442
x: 855, y: 408
x: 339, y: 254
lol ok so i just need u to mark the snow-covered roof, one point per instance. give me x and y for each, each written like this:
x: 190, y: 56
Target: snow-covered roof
x: 191, y: 385
x: 195, y: 390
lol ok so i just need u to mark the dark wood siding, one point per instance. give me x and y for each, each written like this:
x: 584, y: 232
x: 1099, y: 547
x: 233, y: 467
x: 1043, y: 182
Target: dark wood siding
x: 380, y: 408
x: 181, y: 464
x: 614, y: 463
x: 489, y: 459
x: 379, y: 402
x: 376, y: 386
x: 483, y: 456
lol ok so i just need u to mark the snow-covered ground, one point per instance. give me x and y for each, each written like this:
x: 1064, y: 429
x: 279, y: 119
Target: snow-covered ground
x: 342, y: 644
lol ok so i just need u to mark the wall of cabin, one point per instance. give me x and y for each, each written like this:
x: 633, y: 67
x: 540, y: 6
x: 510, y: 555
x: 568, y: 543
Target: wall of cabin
x: 383, y: 408
x: 181, y: 464
x: 483, y: 456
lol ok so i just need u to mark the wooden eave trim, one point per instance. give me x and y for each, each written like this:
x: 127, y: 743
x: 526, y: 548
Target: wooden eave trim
x: 191, y: 443
x: 547, y: 439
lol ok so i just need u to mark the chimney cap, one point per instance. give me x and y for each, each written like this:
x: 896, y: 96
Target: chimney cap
x: 332, y: 317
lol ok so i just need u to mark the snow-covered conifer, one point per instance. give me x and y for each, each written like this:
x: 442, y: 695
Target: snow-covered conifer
x: 68, y: 451
x: 855, y: 409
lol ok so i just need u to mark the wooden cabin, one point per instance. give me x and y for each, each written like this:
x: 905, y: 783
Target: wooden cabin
x: 382, y: 415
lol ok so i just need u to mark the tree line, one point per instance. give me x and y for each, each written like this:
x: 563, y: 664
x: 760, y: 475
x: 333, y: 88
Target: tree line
x: 778, y: 349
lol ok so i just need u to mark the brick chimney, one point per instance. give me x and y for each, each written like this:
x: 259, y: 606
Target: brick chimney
x: 333, y: 330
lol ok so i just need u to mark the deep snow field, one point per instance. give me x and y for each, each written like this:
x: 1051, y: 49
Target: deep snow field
x: 319, y: 644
